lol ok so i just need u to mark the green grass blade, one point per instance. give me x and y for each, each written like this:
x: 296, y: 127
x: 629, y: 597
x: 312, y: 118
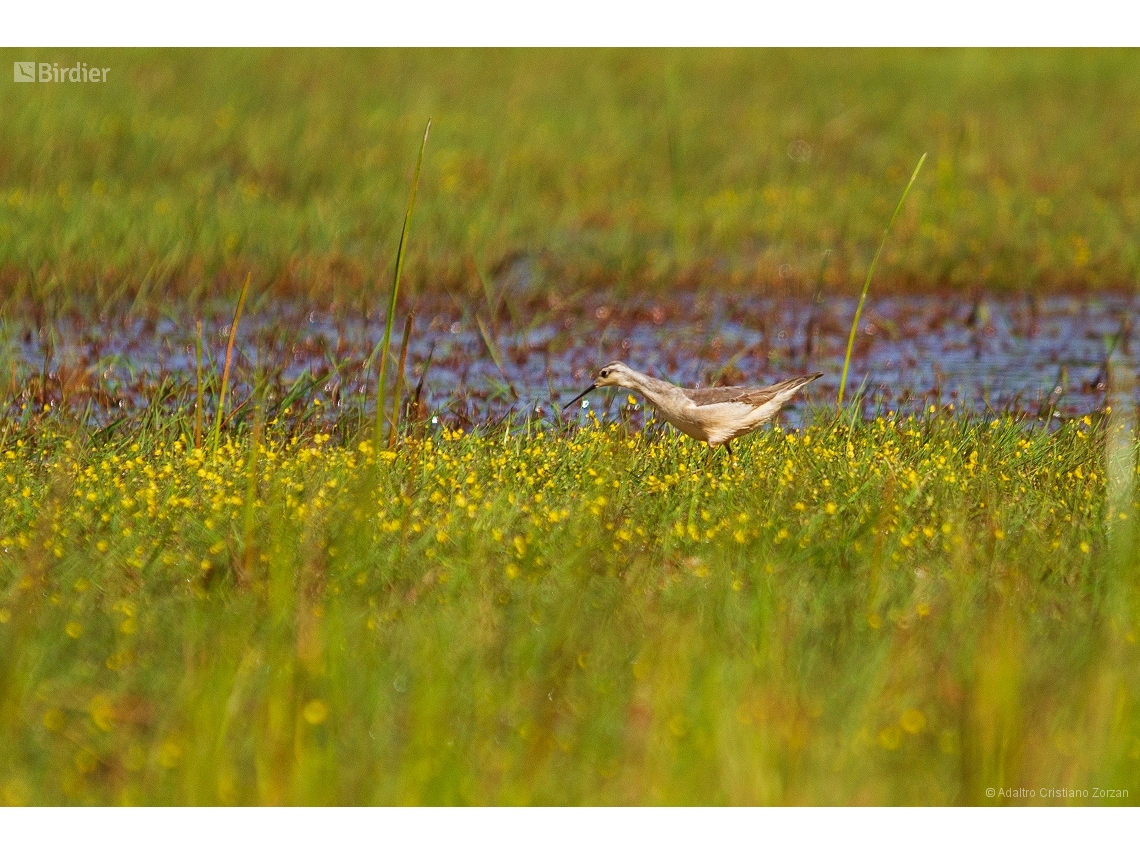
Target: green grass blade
x: 867, y: 283
x: 198, y: 386
x: 387, y: 341
x: 246, y: 564
x: 226, y: 369
x: 400, y: 377
x: 493, y: 350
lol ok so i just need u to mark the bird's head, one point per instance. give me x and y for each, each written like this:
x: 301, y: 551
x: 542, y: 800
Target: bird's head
x: 614, y: 374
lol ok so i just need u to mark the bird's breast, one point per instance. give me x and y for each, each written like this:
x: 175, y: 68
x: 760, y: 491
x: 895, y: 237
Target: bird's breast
x: 687, y: 426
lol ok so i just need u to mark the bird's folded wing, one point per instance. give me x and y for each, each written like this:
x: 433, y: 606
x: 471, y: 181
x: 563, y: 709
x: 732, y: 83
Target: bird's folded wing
x: 732, y: 394
x: 748, y: 394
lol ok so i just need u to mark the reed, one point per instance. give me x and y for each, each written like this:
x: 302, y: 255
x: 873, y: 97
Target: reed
x: 400, y: 377
x: 226, y: 369
x: 198, y: 385
x: 386, y: 342
x: 867, y: 284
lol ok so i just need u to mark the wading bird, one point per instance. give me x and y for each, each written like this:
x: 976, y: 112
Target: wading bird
x: 715, y: 415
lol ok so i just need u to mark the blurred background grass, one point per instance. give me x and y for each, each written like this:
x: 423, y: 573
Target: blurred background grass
x: 625, y: 168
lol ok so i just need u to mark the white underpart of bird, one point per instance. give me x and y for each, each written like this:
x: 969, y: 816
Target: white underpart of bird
x: 714, y: 415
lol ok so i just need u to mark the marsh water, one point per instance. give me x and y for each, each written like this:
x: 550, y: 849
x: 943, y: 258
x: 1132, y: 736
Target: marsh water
x: 477, y: 363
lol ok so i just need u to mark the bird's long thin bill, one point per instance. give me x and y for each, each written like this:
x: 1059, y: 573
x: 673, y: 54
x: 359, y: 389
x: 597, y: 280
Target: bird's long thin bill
x: 580, y: 397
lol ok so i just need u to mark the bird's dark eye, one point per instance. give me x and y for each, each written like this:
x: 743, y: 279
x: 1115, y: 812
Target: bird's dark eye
x: 606, y: 373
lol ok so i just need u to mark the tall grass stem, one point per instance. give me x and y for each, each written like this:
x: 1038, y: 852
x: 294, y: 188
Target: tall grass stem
x: 226, y: 369
x: 400, y: 378
x: 198, y: 386
x: 249, y: 508
x: 1120, y: 457
x: 381, y: 390
x: 867, y: 284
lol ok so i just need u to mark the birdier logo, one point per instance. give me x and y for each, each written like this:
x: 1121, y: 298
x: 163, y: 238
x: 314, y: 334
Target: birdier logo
x: 52, y: 72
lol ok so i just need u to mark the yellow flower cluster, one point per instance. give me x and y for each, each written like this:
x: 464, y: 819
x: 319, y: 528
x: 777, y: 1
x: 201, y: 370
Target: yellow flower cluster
x: 888, y: 487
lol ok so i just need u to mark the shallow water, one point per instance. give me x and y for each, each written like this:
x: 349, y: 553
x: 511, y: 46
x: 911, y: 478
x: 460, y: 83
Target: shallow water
x: 1036, y: 356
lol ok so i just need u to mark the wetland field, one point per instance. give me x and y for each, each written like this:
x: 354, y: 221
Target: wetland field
x: 252, y: 554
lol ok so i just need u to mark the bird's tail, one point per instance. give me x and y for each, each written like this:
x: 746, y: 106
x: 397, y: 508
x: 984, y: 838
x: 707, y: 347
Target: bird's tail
x: 789, y: 387
x: 778, y: 393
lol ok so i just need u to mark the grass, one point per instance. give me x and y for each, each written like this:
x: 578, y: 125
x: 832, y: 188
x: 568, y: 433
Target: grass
x: 632, y: 169
x: 385, y: 343
x: 867, y: 284
x: 907, y: 611
x: 221, y: 408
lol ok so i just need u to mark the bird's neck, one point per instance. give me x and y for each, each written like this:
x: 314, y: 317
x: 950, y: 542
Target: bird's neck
x: 650, y: 387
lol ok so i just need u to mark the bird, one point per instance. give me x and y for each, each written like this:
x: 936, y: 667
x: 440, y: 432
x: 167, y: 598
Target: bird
x: 716, y: 415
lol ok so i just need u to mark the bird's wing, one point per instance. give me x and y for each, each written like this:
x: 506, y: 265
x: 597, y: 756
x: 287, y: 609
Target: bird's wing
x: 756, y: 397
x: 716, y: 395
